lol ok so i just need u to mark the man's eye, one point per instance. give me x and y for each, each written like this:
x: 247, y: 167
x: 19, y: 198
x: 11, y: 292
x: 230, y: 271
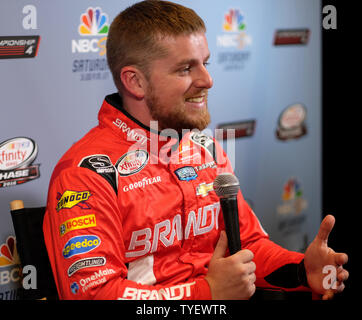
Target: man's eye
x: 206, y: 64
x: 186, y: 69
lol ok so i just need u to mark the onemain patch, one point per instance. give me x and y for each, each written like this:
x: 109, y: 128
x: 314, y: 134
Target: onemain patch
x: 80, y: 244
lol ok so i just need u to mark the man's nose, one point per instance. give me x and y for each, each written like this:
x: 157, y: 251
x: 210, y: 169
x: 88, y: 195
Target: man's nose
x: 203, y: 79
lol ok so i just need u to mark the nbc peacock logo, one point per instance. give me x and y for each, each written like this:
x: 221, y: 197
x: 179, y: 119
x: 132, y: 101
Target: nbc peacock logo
x: 292, y: 197
x: 234, y: 21
x: 93, y: 22
x: 94, y: 29
x: 234, y: 31
x: 8, y: 253
x: 10, y: 270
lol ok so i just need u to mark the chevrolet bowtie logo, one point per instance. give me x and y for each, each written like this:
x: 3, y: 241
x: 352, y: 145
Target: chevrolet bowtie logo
x: 204, y: 188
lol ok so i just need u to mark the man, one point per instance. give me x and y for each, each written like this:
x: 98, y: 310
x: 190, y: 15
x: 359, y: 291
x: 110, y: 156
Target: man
x: 131, y: 211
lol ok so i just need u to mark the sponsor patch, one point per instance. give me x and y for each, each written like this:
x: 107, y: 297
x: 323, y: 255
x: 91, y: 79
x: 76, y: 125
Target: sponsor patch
x: 203, y: 189
x: 187, y: 173
x: 74, y: 288
x: 205, y: 142
x: 97, y: 278
x: 132, y: 162
x: 80, y: 244
x: 101, y: 164
x: 206, y: 165
x: 69, y: 199
x: 77, y: 223
x: 86, y: 263
x: 142, y: 183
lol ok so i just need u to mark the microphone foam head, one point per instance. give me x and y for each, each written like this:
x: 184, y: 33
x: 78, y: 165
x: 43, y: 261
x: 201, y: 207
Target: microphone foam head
x: 226, y: 185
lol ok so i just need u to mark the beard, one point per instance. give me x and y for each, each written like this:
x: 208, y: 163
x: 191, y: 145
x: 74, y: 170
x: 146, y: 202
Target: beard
x: 177, y: 117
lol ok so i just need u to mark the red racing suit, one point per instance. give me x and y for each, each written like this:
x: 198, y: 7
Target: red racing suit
x: 132, y: 214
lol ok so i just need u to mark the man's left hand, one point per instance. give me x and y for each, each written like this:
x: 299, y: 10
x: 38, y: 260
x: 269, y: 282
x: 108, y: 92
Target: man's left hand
x: 319, y: 260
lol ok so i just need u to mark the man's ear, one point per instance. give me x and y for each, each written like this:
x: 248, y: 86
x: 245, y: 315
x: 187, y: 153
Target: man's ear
x: 133, y: 81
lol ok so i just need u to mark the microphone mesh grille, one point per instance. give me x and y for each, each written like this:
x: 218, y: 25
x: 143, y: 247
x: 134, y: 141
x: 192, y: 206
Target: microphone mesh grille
x: 226, y: 185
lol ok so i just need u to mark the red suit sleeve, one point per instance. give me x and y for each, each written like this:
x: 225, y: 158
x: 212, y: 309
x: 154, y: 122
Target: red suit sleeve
x: 84, y: 238
x: 270, y: 258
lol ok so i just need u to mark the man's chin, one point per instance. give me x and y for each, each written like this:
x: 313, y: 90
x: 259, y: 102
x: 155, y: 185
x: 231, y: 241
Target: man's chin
x: 199, y: 124
x: 184, y: 126
x: 182, y: 119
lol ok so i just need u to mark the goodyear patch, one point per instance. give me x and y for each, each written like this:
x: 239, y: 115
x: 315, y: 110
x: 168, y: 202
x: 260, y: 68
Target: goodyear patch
x: 80, y: 244
x: 77, y: 223
x: 69, y: 199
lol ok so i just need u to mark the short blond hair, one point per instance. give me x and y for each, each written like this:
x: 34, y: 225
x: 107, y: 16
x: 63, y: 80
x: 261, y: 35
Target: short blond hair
x: 134, y: 34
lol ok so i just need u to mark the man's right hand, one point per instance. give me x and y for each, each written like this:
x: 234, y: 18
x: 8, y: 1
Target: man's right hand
x: 232, y: 277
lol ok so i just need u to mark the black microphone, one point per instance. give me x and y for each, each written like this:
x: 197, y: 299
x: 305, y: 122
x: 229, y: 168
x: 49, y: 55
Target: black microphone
x: 226, y: 186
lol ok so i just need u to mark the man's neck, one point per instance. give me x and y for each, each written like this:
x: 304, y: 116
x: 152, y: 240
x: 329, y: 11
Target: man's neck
x: 137, y: 109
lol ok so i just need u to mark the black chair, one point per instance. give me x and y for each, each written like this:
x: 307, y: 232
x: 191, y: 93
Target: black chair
x: 28, y: 227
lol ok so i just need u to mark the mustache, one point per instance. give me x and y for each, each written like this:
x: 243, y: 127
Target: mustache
x: 200, y: 93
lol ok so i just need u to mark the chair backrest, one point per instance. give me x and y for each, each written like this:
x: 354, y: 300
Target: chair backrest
x: 28, y: 227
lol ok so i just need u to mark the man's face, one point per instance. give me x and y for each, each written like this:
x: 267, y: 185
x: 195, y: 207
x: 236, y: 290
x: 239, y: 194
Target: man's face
x: 178, y: 83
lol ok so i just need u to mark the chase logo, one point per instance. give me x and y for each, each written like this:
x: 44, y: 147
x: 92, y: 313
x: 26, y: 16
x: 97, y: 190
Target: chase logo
x: 80, y: 244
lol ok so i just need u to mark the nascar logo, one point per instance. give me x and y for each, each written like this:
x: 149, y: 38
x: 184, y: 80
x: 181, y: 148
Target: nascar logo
x: 82, y: 222
x: 69, y: 199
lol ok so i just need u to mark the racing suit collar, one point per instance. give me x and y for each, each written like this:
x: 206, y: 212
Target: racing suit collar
x: 116, y: 101
x: 113, y: 115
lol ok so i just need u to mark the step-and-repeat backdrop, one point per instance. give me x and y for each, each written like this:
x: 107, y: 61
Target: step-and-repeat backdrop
x: 266, y: 66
